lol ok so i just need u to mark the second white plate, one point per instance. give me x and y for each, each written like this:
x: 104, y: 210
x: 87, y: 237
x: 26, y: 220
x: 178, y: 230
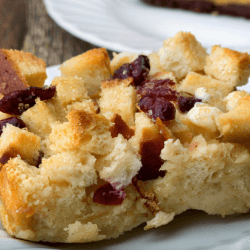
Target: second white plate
x: 131, y: 25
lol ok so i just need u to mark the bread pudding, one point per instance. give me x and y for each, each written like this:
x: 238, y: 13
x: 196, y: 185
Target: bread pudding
x: 238, y: 8
x: 114, y: 144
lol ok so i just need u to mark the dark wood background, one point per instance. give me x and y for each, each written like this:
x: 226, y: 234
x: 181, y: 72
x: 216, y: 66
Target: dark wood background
x: 25, y: 25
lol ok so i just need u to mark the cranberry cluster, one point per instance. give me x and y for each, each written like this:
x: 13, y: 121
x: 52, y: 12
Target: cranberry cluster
x: 155, y: 98
x: 138, y: 70
x: 158, y: 99
x: 15, y: 103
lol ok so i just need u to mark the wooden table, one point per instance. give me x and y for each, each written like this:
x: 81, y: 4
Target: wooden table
x: 25, y: 25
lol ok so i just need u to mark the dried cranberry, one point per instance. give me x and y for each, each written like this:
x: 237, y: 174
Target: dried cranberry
x: 123, y: 72
x: 158, y: 88
x: 17, y: 102
x: 187, y: 103
x: 157, y: 107
x: 138, y: 69
x: 13, y: 121
x: 107, y: 195
x: 149, y: 172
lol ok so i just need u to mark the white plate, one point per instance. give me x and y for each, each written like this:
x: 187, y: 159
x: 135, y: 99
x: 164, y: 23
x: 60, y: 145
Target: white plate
x: 192, y: 230
x: 131, y: 25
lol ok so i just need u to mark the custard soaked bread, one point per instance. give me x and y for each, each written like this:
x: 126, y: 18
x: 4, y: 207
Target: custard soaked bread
x: 155, y: 136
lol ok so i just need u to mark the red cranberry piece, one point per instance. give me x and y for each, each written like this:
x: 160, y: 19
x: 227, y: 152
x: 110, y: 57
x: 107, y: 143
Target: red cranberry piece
x: 157, y: 107
x: 138, y: 69
x: 107, y: 195
x: 187, y: 103
x: 149, y: 172
x: 158, y: 88
x: 17, y: 102
x: 13, y: 121
x: 123, y: 72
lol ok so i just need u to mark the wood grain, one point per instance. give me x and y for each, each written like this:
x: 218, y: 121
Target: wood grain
x: 26, y: 25
x: 13, y: 23
x: 47, y: 40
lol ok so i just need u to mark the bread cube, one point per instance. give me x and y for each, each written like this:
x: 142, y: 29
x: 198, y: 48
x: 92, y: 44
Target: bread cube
x: 122, y: 58
x: 32, y: 68
x: 120, y: 165
x: 118, y: 96
x: 193, y: 81
x: 203, y: 118
x: 92, y: 66
x: 69, y: 167
x: 182, y: 54
x: 39, y: 119
x: 228, y: 65
x: 87, y: 105
x: 84, y: 131
x: 15, y: 141
x: 234, y: 125
x: 232, y: 100
x: 70, y: 89
x: 146, y: 132
x: 155, y: 63
x: 164, y: 75
x: 16, y: 211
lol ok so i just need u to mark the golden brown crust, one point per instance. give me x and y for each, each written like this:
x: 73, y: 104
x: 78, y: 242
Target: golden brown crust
x: 92, y: 66
x: 234, y: 125
x: 228, y: 65
x: 31, y: 68
x: 12, y: 78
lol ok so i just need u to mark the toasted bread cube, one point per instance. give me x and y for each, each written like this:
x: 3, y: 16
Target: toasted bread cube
x: 120, y: 165
x: 201, y: 120
x: 76, y: 169
x: 232, y: 100
x: 193, y: 81
x: 228, y: 65
x: 39, y: 119
x: 70, y: 89
x: 87, y: 132
x: 92, y: 66
x: 234, y: 125
x: 165, y: 75
x: 118, y: 96
x: 16, y: 209
x: 155, y: 63
x: 145, y: 131
x: 120, y: 59
x: 182, y: 54
x: 15, y: 141
x: 180, y: 130
x: 31, y: 67
x: 86, y: 105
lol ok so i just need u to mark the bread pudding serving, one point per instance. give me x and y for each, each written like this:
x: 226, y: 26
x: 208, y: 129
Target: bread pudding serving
x: 114, y: 144
x: 238, y: 8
